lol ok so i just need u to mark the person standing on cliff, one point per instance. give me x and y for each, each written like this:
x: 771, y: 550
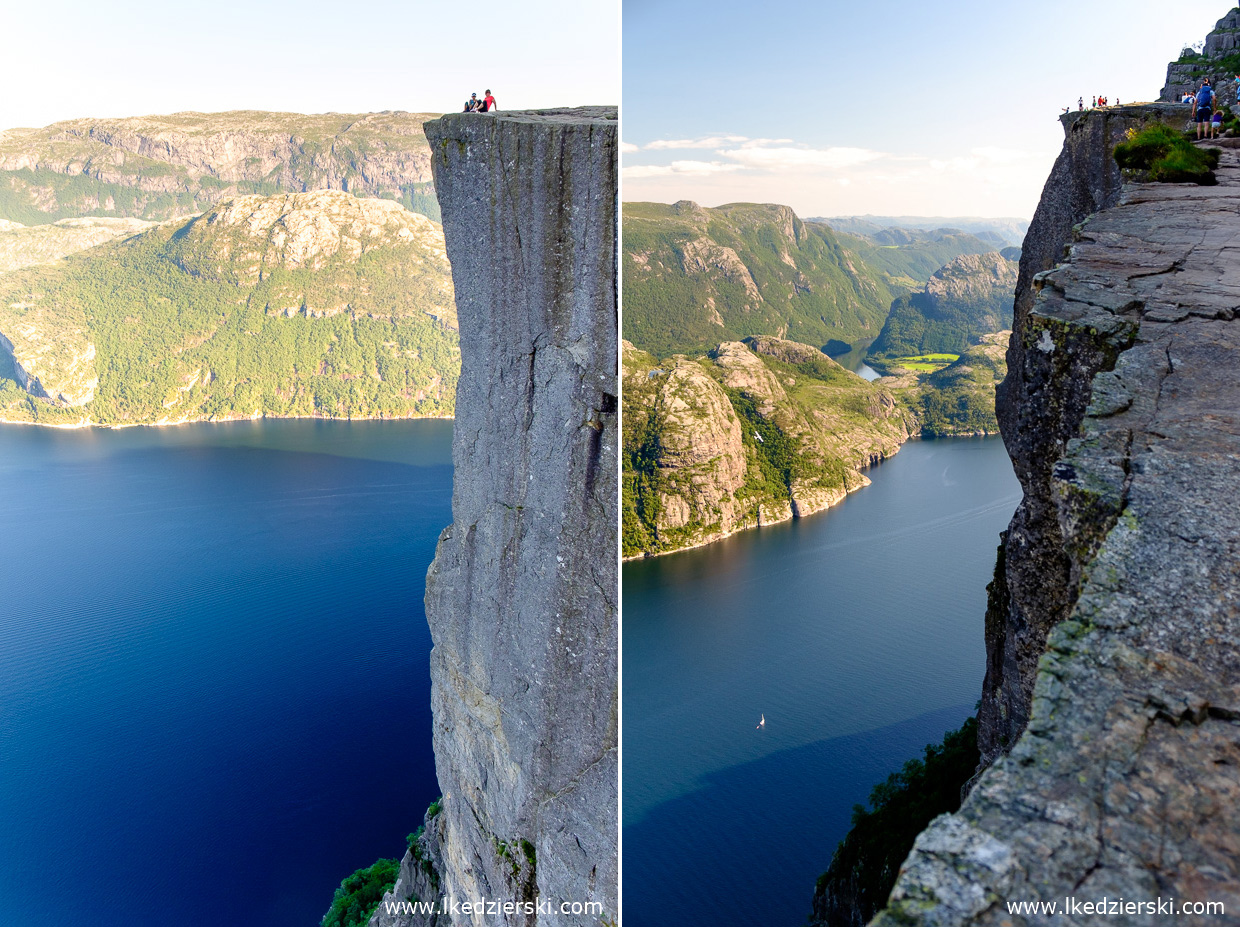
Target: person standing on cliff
x: 1205, y: 108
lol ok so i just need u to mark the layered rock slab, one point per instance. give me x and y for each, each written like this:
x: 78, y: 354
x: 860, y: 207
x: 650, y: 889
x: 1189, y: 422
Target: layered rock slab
x: 1125, y: 781
x: 522, y: 595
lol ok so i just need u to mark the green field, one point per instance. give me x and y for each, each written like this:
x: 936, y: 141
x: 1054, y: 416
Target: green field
x: 924, y: 363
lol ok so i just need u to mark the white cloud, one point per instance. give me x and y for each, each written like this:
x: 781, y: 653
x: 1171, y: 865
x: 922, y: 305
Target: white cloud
x: 712, y: 141
x: 628, y: 148
x: 800, y: 158
x: 681, y: 168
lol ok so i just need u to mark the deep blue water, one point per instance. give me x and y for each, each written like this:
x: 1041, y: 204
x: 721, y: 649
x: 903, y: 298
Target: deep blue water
x: 857, y: 632
x: 214, y: 694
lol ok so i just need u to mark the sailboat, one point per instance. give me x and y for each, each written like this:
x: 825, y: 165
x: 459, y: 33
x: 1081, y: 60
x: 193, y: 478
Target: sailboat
x: 762, y: 723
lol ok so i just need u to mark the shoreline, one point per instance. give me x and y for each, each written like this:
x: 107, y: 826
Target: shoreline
x: 87, y: 423
x: 650, y: 555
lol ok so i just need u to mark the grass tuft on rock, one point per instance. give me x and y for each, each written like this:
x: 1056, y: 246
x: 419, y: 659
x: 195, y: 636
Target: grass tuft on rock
x: 1164, y: 155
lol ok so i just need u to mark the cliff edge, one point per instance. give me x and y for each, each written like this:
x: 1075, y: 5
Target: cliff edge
x: 522, y: 595
x: 1113, y: 635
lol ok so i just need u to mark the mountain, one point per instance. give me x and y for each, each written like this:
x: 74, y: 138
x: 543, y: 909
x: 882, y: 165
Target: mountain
x: 317, y: 304
x: 161, y: 167
x: 753, y: 433
x: 968, y: 297
x: 910, y: 257
x: 1002, y: 231
x: 695, y: 276
x: 764, y: 430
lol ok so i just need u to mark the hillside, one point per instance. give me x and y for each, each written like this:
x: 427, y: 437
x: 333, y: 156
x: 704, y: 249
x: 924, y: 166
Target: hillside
x: 764, y: 430
x: 909, y: 257
x: 969, y: 297
x: 694, y: 277
x: 306, y: 304
x: 160, y: 167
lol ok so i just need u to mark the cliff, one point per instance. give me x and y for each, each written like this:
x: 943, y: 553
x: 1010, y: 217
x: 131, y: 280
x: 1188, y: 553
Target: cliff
x: 1113, y: 633
x: 522, y: 595
x: 160, y: 167
x: 1218, y: 60
x: 307, y: 304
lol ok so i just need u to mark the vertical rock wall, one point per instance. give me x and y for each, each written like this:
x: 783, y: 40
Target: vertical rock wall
x: 1032, y: 591
x: 522, y: 595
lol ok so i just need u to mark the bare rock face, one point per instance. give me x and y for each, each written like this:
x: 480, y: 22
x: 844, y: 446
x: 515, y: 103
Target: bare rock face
x: 1127, y: 438
x: 972, y: 277
x: 304, y: 230
x: 522, y: 596
x: 159, y: 167
x: 1187, y: 74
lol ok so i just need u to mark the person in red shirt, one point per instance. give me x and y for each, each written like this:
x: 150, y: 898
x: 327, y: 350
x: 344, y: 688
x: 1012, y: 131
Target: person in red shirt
x: 488, y: 103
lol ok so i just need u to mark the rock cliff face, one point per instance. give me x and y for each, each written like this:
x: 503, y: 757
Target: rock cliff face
x: 1113, y: 635
x: 521, y: 598
x: 1218, y: 60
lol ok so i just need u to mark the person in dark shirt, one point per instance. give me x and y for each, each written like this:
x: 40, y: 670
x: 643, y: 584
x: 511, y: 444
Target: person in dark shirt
x: 1205, y: 108
x: 472, y: 104
x: 488, y: 103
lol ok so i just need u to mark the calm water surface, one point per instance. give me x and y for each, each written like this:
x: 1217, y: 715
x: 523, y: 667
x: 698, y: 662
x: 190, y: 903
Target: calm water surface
x: 214, y: 696
x: 857, y: 632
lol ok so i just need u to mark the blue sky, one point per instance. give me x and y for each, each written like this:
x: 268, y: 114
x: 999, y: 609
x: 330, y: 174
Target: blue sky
x: 885, y: 106
x: 135, y: 57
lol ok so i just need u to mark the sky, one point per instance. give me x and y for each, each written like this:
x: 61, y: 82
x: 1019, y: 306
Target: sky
x: 883, y: 107
x: 82, y: 58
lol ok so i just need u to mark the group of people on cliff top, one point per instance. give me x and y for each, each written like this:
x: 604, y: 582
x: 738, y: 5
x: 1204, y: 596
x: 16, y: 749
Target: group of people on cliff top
x: 1209, y: 115
x: 1097, y: 102
x: 485, y: 105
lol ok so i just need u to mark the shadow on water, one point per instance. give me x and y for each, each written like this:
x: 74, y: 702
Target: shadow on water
x: 773, y: 821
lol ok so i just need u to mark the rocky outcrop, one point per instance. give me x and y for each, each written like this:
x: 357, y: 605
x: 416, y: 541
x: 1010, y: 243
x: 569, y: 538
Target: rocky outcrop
x: 522, y: 595
x: 755, y: 433
x: 1218, y: 60
x: 158, y: 167
x: 1113, y: 635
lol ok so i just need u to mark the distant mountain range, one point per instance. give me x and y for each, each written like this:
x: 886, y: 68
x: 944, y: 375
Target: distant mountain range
x: 695, y: 276
x: 1000, y: 233
x: 159, y: 167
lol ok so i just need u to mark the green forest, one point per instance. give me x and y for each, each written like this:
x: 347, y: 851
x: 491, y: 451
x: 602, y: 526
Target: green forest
x: 181, y: 333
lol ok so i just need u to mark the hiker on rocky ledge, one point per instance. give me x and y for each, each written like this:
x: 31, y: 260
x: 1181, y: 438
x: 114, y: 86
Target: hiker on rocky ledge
x: 1205, y: 109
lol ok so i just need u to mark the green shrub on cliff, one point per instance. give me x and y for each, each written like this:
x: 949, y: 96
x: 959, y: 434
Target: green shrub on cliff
x: 359, y: 894
x: 1167, y: 156
x: 866, y: 862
